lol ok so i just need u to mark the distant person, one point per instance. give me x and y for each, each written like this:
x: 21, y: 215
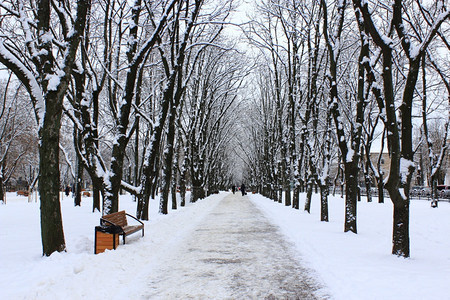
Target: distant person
x: 243, y: 190
x: 233, y: 189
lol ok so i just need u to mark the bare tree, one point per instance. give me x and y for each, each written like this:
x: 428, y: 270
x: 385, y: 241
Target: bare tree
x: 122, y: 95
x: 350, y: 150
x: 436, y: 155
x: 414, y: 46
x: 16, y: 132
x: 45, y: 70
x: 173, y: 71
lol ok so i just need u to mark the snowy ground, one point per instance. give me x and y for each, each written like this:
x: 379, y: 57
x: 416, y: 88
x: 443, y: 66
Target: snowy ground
x: 349, y: 266
x: 361, y: 266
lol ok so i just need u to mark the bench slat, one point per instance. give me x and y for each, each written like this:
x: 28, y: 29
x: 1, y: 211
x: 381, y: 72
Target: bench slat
x: 118, y: 218
x: 131, y: 229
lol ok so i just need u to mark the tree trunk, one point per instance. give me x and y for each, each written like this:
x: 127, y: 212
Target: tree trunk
x: 175, y: 172
x: 173, y: 192
x: 302, y: 186
x: 164, y: 202
x: 309, y: 190
x: 351, y: 194
x: 147, y: 190
x: 197, y: 193
x: 434, y: 191
x: 358, y: 193
x: 287, y: 196
x: 78, y: 182
x: 112, y: 187
x: 51, y: 220
x: 167, y: 172
x: 324, y: 191
x: 400, y: 238
x: 368, y: 183
x: 149, y: 173
x: 2, y: 191
x: 183, y: 183
x: 296, y: 198
x: 95, y: 197
x: 274, y: 192
x: 380, y: 186
x: 154, y: 186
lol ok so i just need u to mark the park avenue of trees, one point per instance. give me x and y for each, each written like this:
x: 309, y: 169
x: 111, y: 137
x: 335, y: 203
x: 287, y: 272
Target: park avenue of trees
x: 158, y: 97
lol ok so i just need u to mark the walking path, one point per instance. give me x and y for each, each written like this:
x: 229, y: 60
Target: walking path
x: 233, y: 253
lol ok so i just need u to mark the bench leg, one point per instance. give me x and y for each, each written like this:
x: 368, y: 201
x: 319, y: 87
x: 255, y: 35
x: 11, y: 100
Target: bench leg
x: 124, y: 239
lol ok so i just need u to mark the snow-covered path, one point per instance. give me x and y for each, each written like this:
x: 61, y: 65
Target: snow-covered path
x: 232, y: 253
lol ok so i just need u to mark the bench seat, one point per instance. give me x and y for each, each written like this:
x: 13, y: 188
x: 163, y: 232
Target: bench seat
x: 132, y: 229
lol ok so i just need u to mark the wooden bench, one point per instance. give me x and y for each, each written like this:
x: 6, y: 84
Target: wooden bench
x: 23, y: 193
x: 119, y: 219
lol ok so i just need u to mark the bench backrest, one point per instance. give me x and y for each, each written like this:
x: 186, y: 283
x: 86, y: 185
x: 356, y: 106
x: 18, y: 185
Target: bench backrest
x: 118, y: 218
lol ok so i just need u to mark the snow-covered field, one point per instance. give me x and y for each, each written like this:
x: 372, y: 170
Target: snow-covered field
x: 351, y: 266
x: 361, y: 266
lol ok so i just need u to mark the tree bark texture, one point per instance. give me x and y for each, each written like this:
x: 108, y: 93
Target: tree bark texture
x: 400, y: 237
x: 296, y: 198
x: 351, y: 195
x: 2, y: 191
x: 287, y: 196
x: 168, y: 158
x: 324, y: 191
x: 198, y: 192
x: 96, y: 199
x: 51, y: 220
x: 309, y: 190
